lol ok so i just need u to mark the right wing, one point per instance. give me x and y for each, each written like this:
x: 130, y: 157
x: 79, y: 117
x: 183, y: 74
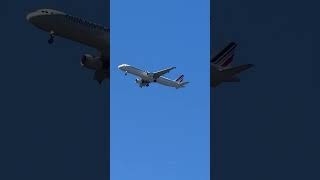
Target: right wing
x: 157, y: 74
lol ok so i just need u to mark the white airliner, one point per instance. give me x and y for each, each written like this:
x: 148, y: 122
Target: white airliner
x: 221, y: 71
x: 58, y: 23
x: 145, y: 77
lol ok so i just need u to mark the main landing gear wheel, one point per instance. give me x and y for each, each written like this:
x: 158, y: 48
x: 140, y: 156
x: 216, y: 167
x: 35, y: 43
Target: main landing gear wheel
x: 147, y: 85
x: 51, y: 37
x: 50, y: 41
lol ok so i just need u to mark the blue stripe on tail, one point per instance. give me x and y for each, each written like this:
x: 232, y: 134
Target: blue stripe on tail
x: 180, y: 78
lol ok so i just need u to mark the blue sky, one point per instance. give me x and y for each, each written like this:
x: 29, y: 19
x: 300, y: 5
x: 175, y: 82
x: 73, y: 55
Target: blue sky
x: 53, y: 113
x: 160, y: 132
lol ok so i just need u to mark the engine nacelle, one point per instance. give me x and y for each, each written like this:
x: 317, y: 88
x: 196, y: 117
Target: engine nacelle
x: 90, y: 62
x: 138, y: 81
x: 142, y: 82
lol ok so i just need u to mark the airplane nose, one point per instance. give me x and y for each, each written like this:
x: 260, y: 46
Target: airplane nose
x: 120, y: 66
x: 30, y: 16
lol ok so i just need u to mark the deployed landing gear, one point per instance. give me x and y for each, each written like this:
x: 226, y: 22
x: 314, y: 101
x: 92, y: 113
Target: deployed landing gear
x: 50, y: 41
x: 51, y: 37
x: 147, y: 85
x: 126, y: 73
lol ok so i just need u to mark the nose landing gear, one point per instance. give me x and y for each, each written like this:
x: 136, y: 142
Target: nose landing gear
x: 51, y: 37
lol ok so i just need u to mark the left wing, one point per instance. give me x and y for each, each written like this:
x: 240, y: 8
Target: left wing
x: 157, y: 74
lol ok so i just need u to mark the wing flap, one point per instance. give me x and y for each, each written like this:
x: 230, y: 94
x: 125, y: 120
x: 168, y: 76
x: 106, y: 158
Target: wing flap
x: 162, y: 72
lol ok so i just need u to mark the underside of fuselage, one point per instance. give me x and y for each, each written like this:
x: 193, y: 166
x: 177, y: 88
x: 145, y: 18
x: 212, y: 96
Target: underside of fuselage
x: 76, y: 29
x: 60, y: 25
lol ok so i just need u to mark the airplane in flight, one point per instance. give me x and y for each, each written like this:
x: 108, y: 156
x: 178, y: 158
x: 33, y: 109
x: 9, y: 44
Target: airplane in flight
x: 145, y: 77
x: 221, y: 69
x: 61, y: 24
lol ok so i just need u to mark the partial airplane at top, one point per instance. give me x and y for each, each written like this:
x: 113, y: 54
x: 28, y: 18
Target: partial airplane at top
x: 221, y: 70
x: 148, y: 77
x: 58, y: 23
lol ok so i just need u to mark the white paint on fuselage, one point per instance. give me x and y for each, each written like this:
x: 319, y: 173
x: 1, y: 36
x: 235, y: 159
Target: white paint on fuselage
x: 73, y: 28
x: 144, y: 76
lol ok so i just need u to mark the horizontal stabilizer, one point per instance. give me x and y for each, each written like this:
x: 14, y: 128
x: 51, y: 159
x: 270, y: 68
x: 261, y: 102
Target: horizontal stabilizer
x: 238, y: 69
x: 184, y: 83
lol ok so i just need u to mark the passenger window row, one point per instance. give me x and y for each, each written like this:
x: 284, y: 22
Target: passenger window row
x: 85, y: 22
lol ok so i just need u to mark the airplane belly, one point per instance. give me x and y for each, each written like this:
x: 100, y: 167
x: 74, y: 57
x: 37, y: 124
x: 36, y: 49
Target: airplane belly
x: 165, y: 82
x: 136, y: 73
x: 63, y: 27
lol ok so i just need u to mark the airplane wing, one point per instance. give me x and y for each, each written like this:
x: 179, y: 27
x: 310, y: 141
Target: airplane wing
x: 162, y: 72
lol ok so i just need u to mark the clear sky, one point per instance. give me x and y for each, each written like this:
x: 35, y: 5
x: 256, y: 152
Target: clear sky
x: 160, y: 132
x: 52, y: 112
x: 269, y: 123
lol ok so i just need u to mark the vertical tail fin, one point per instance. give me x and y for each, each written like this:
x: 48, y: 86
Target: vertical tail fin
x: 180, y: 82
x: 225, y: 57
x: 180, y: 79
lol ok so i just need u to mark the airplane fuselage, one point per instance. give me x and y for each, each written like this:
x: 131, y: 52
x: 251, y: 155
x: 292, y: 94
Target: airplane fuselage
x: 147, y: 77
x: 58, y: 23
x: 71, y: 27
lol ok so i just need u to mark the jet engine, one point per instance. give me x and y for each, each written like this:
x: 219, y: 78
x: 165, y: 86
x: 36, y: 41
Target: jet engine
x: 138, y: 81
x: 91, y: 62
x: 142, y: 82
